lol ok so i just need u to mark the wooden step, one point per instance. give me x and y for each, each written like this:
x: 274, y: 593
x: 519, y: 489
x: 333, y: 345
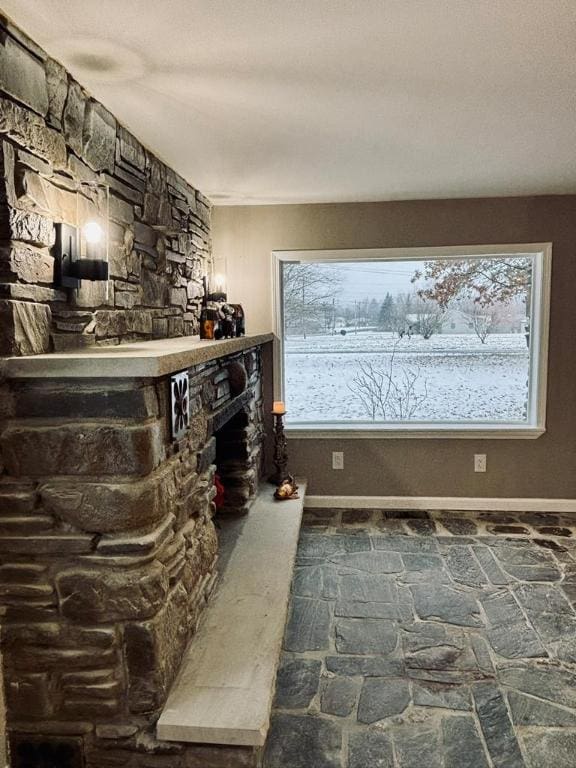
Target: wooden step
x: 223, y: 692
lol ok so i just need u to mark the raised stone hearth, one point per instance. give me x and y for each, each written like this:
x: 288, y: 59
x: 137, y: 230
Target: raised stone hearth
x: 109, y: 548
x: 223, y: 694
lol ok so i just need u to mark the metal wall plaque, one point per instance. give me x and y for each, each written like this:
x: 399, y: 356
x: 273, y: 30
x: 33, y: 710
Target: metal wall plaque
x: 180, y: 404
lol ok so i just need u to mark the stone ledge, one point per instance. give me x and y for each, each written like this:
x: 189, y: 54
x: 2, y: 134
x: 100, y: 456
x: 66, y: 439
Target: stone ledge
x: 223, y: 693
x: 143, y: 359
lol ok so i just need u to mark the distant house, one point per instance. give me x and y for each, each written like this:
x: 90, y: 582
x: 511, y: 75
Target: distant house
x: 456, y: 321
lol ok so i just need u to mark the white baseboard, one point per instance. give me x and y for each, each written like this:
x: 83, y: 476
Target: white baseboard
x: 462, y: 503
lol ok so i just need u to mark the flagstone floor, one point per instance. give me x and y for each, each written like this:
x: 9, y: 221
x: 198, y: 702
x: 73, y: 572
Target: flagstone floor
x: 429, y: 640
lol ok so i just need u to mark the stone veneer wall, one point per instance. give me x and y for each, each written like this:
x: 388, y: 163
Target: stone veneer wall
x: 53, y: 136
x: 108, y: 553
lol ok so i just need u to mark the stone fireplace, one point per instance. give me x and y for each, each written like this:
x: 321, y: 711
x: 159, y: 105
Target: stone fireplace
x: 108, y: 542
x: 114, y: 419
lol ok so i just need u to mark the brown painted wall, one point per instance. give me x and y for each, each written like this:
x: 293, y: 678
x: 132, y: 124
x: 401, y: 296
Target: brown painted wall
x: 244, y: 238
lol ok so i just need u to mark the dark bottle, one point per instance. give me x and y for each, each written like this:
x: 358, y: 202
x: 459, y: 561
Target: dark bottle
x: 239, y: 320
x: 206, y: 316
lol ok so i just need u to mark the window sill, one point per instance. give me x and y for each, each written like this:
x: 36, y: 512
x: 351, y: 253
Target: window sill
x: 416, y: 431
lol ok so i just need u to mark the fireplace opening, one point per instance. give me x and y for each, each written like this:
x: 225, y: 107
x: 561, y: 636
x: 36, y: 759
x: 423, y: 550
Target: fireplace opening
x: 236, y: 465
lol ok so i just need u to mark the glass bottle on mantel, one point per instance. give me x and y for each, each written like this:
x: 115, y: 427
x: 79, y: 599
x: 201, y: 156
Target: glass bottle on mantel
x: 206, y: 316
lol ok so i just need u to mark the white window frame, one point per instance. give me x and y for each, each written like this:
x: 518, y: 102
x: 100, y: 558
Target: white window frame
x: 539, y: 344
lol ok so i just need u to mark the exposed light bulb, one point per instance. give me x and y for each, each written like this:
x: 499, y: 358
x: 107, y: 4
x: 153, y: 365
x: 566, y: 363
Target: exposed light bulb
x: 93, y: 232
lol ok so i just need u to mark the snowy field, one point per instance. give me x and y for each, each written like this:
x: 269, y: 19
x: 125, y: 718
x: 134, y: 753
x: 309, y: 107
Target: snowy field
x: 463, y: 378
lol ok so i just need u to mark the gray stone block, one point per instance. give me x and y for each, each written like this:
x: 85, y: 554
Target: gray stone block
x: 365, y: 666
x: 339, y: 696
x: 555, y: 749
x: 381, y: 698
x: 73, y: 117
x: 528, y: 711
x: 442, y: 603
x: 22, y: 75
x: 297, y: 683
x: 302, y: 742
x: 57, y: 85
x: 496, y: 726
x: 99, y: 137
x: 370, y: 748
x: 308, y: 626
x: 366, y: 636
x: 415, y: 744
x: 441, y: 695
x: 463, y: 746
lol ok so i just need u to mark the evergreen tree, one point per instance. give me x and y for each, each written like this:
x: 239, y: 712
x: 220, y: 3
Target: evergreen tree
x: 386, y: 316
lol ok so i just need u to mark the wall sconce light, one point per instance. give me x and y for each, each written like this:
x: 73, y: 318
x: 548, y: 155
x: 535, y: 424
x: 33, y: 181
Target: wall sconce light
x: 81, y: 251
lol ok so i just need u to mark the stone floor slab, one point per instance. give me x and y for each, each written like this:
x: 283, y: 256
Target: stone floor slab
x: 339, y: 696
x: 296, y: 741
x: 370, y: 562
x: 365, y: 636
x: 551, y: 750
x: 441, y: 696
x: 308, y: 627
x: 370, y: 748
x: 528, y: 710
x: 416, y: 743
x: 442, y: 603
x: 297, y: 683
x: 368, y: 588
x: 463, y: 746
x: 381, y: 698
x: 496, y: 726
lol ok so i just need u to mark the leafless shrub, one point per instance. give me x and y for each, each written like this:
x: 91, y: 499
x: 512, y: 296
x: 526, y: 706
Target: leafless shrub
x: 388, y: 393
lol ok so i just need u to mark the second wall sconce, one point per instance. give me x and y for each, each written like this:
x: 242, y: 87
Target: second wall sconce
x: 81, y: 249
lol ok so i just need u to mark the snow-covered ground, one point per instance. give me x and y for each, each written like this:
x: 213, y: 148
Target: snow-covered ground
x: 464, y: 379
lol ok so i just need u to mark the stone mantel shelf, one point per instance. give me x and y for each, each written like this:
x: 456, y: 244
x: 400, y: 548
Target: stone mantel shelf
x: 142, y: 359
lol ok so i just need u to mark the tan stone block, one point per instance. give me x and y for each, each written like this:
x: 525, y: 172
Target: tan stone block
x: 57, y: 659
x: 153, y: 652
x: 29, y: 131
x: 109, y: 508
x: 29, y: 292
x: 28, y: 227
x: 27, y: 264
x: 57, y: 636
x: 24, y: 328
x: 48, y: 544
x: 107, y: 595
x: 38, y: 194
x: 82, y: 449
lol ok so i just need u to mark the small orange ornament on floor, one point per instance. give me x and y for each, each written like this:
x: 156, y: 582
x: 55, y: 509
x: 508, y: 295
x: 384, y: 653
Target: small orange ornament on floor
x: 286, y: 490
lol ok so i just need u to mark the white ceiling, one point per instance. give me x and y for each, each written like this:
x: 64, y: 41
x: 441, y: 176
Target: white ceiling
x: 279, y: 101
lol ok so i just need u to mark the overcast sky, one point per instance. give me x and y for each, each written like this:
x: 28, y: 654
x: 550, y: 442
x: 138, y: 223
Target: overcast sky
x: 373, y: 279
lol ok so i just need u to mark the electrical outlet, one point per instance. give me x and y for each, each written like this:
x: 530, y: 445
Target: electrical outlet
x: 337, y: 460
x: 479, y: 462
